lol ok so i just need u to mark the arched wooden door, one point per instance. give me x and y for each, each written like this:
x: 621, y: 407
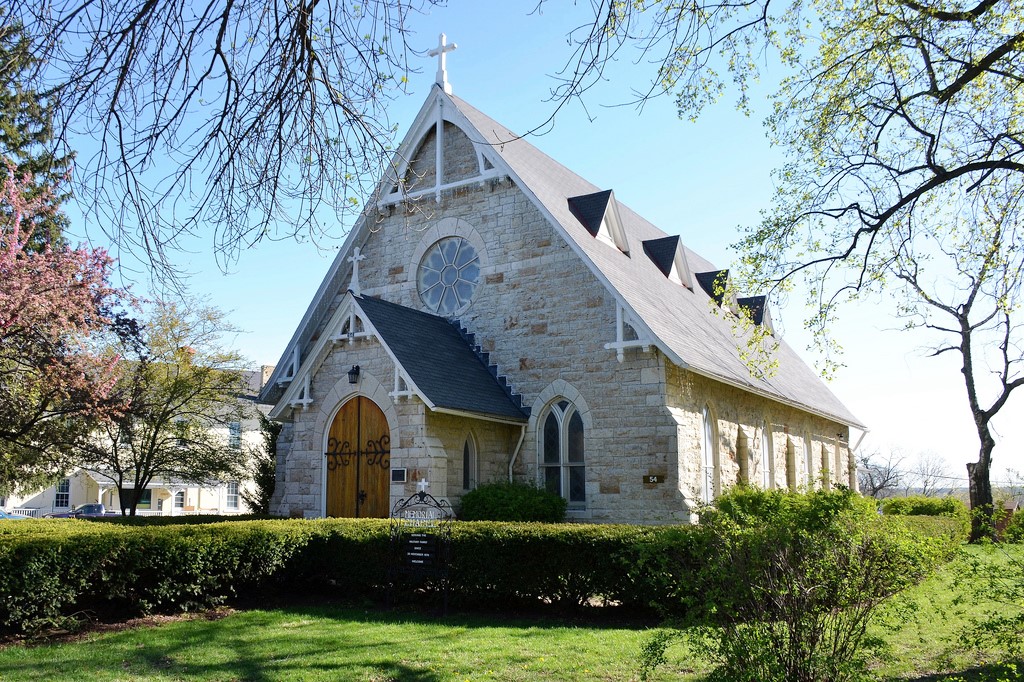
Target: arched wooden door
x: 358, y: 461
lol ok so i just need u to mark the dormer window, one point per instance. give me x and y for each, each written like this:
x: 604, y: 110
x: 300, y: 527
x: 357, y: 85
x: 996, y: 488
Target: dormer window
x: 598, y: 213
x: 756, y: 308
x: 714, y: 284
x: 669, y: 257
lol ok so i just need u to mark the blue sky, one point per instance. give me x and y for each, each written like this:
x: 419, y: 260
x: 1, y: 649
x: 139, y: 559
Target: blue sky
x: 699, y: 180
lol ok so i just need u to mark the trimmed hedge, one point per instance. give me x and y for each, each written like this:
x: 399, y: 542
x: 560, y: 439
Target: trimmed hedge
x: 190, y: 520
x: 921, y: 505
x: 953, y: 529
x: 55, y: 568
x: 51, y: 569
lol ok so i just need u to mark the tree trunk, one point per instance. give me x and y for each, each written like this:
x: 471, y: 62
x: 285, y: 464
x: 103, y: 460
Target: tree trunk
x: 980, y: 488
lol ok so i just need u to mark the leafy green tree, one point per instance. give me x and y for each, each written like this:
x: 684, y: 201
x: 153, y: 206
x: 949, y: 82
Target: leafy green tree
x: 790, y: 583
x: 183, y: 391
x: 27, y: 144
x: 901, y: 120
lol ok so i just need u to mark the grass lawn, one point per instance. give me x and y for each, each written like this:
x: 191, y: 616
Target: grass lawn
x: 928, y: 642
x: 326, y: 642
x: 337, y: 643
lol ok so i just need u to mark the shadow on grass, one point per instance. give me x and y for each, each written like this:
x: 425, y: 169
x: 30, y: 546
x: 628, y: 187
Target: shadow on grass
x: 1009, y: 671
x: 251, y: 647
x: 297, y: 642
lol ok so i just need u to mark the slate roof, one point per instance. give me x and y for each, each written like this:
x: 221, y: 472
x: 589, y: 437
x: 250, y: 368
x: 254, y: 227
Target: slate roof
x: 682, y: 321
x: 438, y: 359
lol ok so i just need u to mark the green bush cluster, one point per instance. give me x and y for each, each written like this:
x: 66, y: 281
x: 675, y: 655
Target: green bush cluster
x: 955, y: 529
x: 190, y: 520
x: 921, y: 505
x: 53, y: 568
x: 1014, y: 531
x: 512, y: 502
x: 788, y: 584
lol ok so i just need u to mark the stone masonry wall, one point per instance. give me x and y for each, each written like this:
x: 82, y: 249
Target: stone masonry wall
x: 739, y: 418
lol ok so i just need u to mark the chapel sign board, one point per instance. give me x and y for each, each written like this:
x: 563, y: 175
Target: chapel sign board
x: 421, y: 543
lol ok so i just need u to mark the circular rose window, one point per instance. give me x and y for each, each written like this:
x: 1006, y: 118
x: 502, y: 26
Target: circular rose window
x: 448, y: 275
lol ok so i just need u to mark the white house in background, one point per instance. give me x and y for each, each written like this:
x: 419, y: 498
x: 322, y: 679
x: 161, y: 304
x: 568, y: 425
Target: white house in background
x: 162, y: 497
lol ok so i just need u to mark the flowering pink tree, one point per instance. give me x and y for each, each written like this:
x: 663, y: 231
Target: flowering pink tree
x: 55, y: 307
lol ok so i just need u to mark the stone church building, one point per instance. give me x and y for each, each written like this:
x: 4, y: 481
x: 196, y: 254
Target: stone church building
x: 493, y: 316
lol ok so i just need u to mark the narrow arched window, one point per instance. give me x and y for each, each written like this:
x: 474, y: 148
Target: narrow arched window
x: 469, y: 475
x: 767, y: 458
x: 709, y: 468
x: 826, y: 472
x: 839, y: 461
x: 808, y: 463
x: 562, y: 453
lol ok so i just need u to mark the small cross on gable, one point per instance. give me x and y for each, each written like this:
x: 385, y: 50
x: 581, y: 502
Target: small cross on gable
x: 442, y: 49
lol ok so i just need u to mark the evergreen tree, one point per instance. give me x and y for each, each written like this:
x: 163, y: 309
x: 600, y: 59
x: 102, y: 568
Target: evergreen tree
x: 27, y: 145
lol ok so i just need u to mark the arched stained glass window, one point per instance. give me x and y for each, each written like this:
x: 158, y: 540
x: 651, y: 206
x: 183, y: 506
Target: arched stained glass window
x: 563, y: 460
x: 448, y: 275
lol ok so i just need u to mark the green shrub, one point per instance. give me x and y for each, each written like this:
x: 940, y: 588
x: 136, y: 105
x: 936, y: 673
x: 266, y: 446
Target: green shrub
x: 190, y: 520
x: 789, y: 582
x: 953, y: 529
x: 512, y: 502
x: 920, y: 505
x: 50, y: 569
x: 1014, y: 531
x: 504, y: 563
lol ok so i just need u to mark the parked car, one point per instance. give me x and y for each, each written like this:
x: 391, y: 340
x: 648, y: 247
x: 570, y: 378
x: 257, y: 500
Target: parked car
x: 84, y: 511
x: 5, y: 516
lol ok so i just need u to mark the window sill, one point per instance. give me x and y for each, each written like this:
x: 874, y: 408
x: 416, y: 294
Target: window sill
x: 577, y: 514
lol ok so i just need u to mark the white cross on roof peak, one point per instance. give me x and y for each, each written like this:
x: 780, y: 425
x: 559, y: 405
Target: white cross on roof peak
x: 442, y: 49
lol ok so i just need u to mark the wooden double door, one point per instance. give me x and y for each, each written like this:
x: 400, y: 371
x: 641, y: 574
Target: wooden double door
x: 358, y: 460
